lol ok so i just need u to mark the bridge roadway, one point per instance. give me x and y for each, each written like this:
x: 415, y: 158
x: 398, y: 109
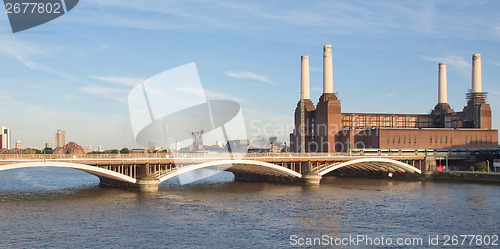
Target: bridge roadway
x: 145, y: 172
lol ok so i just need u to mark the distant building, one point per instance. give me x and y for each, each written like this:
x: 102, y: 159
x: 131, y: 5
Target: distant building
x: 205, y: 149
x: 19, y: 145
x: 177, y: 146
x: 48, y: 145
x: 275, y: 148
x: 258, y: 150
x: 99, y: 148
x: 137, y: 151
x: 87, y: 149
x: 70, y: 148
x: 60, y: 138
x: 236, y: 146
x: 5, y: 138
x: 197, y: 141
x: 220, y: 144
x: 151, y: 146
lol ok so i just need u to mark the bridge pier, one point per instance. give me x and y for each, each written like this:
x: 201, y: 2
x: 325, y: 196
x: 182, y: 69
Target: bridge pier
x: 143, y: 185
x: 310, y: 179
x: 429, y: 165
x: 147, y: 185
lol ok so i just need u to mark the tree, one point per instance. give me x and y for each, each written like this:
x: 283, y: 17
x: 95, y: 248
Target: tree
x: 114, y: 151
x: 481, y: 166
x: 124, y: 151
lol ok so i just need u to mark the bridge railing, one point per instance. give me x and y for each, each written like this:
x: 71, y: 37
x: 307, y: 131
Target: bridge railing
x: 193, y: 155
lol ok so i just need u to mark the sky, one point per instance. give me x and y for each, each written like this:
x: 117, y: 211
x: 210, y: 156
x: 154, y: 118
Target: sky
x: 75, y: 72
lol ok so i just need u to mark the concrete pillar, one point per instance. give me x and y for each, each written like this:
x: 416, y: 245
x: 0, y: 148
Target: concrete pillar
x: 442, y: 89
x: 327, y: 69
x: 476, y: 73
x: 429, y: 165
x: 311, y: 179
x: 304, y: 78
x: 147, y: 185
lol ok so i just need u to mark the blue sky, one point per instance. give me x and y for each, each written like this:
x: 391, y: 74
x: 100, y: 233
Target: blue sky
x: 75, y: 72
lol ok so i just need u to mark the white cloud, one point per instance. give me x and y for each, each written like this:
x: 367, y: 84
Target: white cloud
x: 248, y: 75
x: 218, y: 95
x: 24, y: 52
x: 191, y: 90
x: 21, y: 50
x: 107, y: 93
x: 454, y: 62
x: 383, y: 17
x: 7, y: 101
x: 126, y: 81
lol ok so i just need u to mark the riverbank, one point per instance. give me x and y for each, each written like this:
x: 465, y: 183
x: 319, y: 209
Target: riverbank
x: 464, y: 176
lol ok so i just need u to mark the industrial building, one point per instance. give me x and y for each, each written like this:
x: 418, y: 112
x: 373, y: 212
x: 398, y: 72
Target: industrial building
x: 324, y: 128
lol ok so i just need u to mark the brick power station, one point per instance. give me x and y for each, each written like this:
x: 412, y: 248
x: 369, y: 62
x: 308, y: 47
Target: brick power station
x: 325, y: 128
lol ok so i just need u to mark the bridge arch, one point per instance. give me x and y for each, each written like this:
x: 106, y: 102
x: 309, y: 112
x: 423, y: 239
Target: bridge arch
x: 384, y: 161
x: 260, y: 167
x: 94, y: 170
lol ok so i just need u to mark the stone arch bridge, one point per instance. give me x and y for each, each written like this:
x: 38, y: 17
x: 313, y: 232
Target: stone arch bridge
x: 146, y: 172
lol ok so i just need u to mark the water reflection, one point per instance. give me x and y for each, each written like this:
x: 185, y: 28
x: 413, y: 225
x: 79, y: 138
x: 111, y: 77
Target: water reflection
x: 222, y: 212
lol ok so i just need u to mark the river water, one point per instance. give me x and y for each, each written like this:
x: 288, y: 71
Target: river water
x: 56, y: 207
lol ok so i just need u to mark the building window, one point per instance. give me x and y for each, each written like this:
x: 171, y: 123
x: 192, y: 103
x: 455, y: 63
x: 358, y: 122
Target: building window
x: 415, y: 139
x: 476, y: 139
x: 481, y: 139
x: 399, y: 139
x: 436, y: 139
x: 409, y: 139
x: 430, y: 140
x: 466, y: 139
x: 404, y: 139
x: 393, y: 139
x: 441, y: 140
x: 388, y: 139
x: 491, y: 139
x: 446, y: 139
x: 451, y: 139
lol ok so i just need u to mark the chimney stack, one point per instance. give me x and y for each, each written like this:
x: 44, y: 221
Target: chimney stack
x: 327, y: 69
x: 304, y: 80
x: 476, y: 73
x: 442, y: 89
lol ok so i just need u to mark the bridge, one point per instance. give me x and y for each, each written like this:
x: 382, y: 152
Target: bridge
x: 145, y: 172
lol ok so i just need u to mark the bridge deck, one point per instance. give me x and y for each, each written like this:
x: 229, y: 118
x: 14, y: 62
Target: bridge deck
x: 279, y: 166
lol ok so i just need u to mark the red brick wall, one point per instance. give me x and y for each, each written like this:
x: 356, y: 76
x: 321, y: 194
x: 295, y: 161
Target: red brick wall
x: 441, y: 138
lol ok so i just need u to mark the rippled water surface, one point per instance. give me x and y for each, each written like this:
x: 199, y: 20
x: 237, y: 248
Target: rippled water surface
x: 51, y: 207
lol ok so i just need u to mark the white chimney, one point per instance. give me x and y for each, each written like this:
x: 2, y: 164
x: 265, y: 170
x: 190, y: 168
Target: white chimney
x: 304, y: 79
x: 476, y: 73
x: 442, y: 89
x: 327, y: 69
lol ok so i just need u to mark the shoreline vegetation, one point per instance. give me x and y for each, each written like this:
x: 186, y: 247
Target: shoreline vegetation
x: 463, y: 176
